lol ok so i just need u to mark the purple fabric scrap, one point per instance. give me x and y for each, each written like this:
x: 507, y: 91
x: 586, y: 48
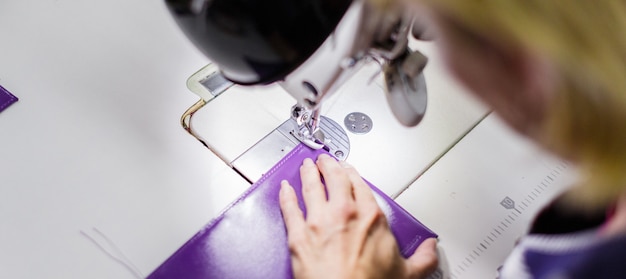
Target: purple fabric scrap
x: 6, y: 98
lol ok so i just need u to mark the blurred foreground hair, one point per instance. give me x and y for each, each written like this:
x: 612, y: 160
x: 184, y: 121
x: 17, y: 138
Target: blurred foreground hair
x: 586, y: 41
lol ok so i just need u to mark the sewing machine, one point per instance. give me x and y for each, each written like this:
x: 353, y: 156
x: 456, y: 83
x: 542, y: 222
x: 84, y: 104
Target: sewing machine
x: 369, y: 91
x: 359, y: 94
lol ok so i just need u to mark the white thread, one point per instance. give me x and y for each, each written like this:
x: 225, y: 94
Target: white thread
x: 113, y: 252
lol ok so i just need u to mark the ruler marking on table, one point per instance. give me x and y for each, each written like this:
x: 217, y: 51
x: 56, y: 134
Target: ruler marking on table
x: 501, y: 228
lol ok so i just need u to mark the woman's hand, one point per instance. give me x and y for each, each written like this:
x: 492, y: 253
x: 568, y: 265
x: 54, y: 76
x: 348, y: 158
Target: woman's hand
x: 345, y: 235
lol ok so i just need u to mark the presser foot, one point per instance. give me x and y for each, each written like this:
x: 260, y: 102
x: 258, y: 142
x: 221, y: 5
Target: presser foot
x: 329, y: 136
x: 307, y: 127
x: 315, y: 141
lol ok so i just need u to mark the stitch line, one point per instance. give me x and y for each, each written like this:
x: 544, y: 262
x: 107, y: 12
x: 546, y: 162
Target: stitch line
x: 411, y: 244
x: 12, y: 99
x: 217, y: 219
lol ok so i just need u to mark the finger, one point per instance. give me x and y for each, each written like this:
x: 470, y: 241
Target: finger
x: 313, y: 191
x: 294, y: 219
x: 424, y: 261
x: 338, y: 184
x: 363, y: 194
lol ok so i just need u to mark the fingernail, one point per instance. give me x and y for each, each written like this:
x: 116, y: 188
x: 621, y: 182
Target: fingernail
x: 283, y: 187
x: 323, y: 156
x: 308, y: 162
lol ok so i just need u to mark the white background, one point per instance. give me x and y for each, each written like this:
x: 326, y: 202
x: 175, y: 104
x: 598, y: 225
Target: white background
x: 95, y: 140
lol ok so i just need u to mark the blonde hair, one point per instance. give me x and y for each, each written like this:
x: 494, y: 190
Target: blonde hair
x: 586, y: 41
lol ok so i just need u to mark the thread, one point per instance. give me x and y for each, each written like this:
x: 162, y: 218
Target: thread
x: 113, y: 252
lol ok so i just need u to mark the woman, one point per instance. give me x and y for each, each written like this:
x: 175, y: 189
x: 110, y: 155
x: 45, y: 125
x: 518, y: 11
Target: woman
x: 553, y: 71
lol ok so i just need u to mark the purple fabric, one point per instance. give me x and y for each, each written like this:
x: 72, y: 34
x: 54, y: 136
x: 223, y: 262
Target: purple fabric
x: 248, y: 240
x: 6, y: 98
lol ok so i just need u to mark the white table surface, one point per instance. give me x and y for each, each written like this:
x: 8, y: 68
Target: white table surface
x: 95, y: 141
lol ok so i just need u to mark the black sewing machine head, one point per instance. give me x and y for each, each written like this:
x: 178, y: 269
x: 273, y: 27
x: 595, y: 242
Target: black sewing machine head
x: 310, y: 47
x: 258, y: 41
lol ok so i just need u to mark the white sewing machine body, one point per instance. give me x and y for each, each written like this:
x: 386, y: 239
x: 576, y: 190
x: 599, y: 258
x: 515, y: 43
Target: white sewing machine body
x: 240, y: 125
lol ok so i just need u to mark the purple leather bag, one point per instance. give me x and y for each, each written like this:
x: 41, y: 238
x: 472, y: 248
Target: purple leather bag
x: 248, y: 239
x: 6, y: 98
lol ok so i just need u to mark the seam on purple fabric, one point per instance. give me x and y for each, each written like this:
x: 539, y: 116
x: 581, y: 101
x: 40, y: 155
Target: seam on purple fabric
x: 12, y: 99
x: 280, y: 163
x: 411, y: 245
x: 241, y: 198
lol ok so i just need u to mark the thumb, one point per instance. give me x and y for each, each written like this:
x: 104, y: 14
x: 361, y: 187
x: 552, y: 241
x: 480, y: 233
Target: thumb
x: 424, y: 261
